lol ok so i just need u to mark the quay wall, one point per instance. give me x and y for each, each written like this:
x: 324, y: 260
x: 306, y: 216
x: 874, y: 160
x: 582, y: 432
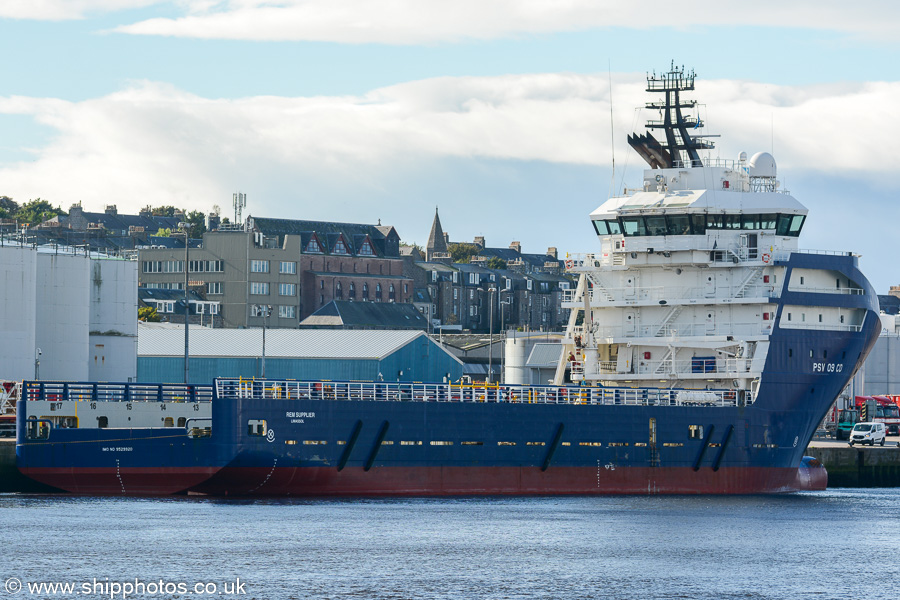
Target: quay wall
x: 10, y: 478
x: 859, y: 467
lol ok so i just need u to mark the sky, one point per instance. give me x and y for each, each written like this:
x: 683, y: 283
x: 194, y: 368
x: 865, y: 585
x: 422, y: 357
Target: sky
x: 509, y: 116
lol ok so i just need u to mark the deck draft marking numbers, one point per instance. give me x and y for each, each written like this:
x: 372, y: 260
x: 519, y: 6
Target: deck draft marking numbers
x: 119, y: 476
x: 275, y: 464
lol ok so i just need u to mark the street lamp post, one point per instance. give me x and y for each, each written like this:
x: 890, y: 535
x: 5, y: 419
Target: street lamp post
x: 503, y: 303
x: 491, y: 328
x: 37, y: 364
x: 266, y: 311
x: 187, y: 310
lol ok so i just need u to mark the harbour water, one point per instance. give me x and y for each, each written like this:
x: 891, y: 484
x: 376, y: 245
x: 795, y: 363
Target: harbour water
x: 835, y: 544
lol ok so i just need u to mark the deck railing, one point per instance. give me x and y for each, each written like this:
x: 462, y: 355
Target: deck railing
x: 58, y: 391
x: 267, y: 389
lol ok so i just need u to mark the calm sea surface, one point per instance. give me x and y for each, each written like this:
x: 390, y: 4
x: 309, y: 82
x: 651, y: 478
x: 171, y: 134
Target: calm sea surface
x: 836, y: 544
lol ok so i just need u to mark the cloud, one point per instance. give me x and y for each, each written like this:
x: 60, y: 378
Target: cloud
x: 152, y: 141
x: 418, y: 22
x: 62, y: 10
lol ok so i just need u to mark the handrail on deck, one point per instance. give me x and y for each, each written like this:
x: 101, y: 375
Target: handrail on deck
x: 228, y: 388
x: 81, y: 391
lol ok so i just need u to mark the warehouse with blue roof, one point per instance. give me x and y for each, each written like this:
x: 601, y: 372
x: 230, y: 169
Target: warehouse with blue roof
x: 340, y: 355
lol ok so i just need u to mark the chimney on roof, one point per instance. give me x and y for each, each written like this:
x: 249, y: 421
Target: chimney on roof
x: 551, y: 251
x: 517, y: 246
x: 146, y: 212
x: 479, y: 241
x: 111, y: 209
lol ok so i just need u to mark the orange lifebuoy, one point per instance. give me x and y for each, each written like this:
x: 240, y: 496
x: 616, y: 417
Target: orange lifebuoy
x: 570, y: 264
x: 767, y: 258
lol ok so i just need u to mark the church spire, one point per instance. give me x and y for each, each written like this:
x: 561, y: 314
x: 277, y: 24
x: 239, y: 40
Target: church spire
x: 436, y: 241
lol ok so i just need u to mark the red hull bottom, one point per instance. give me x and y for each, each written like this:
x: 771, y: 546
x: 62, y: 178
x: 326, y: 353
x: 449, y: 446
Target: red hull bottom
x: 451, y: 481
x: 149, y: 481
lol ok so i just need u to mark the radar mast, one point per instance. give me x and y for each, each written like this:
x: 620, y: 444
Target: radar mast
x: 680, y: 148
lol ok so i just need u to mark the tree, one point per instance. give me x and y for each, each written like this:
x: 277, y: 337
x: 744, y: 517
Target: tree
x: 164, y: 232
x: 163, y: 211
x: 495, y: 262
x: 8, y: 207
x: 197, y: 222
x: 462, y: 253
x: 148, y: 314
x: 37, y: 211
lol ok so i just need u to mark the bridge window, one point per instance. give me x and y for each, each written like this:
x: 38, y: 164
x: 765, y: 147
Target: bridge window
x: 634, y: 226
x: 656, y: 225
x: 679, y: 224
x: 750, y: 222
x: 789, y: 225
x: 767, y: 221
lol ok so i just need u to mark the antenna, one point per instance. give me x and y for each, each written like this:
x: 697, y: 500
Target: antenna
x: 240, y: 201
x: 612, y: 137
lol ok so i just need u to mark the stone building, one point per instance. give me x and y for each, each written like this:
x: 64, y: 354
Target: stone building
x: 470, y: 296
x: 288, y: 268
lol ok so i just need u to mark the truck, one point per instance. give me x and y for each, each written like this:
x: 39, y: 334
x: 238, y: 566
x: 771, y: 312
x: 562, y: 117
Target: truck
x: 885, y: 411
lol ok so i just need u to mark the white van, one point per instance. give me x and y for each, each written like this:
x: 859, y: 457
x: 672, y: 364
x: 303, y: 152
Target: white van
x: 868, y: 433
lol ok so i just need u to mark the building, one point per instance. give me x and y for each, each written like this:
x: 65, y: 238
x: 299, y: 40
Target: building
x: 338, y: 355
x: 106, y: 231
x: 341, y: 314
x: 287, y: 267
x: 498, y: 287
x: 67, y: 315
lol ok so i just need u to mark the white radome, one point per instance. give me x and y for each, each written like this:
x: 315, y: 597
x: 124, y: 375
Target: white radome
x: 762, y: 164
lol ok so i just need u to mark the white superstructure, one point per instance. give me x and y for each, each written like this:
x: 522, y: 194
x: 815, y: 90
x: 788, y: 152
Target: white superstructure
x: 684, y: 290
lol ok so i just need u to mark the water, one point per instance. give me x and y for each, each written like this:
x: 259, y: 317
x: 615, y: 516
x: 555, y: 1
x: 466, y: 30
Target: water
x: 836, y: 544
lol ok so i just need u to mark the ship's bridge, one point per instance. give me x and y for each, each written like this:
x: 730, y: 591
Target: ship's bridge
x: 703, y: 200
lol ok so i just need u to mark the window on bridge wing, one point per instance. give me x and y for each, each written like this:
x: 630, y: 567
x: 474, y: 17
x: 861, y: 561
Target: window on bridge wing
x: 634, y: 226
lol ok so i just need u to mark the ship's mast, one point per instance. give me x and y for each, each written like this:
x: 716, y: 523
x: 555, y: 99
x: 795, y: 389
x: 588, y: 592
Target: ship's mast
x: 681, y: 148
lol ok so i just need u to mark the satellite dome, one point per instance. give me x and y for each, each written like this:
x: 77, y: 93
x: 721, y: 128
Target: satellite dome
x: 762, y: 164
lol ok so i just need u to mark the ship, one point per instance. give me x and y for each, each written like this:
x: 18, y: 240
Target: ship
x: 703, y: 348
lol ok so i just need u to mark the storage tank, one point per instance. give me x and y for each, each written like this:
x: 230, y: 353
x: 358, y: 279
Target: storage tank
x: 62, y: 304
x: 112, y: 347
x: 515, y: 359
x: 17, y: 312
